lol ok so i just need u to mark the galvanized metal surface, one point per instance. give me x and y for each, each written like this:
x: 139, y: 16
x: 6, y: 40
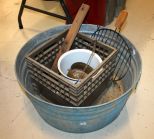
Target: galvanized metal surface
x: 76, y: 119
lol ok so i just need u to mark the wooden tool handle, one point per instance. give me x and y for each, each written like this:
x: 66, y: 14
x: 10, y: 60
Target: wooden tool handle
x: 121, y: 19
x: 76, y: 26
x: 71, y: 33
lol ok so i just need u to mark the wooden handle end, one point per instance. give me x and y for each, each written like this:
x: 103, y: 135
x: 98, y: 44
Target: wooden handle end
x: 121, y: 19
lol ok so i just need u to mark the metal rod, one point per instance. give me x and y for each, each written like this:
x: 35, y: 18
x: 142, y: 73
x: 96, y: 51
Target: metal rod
x: 89, y: 60
x: 45, y: 12
x: 20, y: 14
x: 69, y: 18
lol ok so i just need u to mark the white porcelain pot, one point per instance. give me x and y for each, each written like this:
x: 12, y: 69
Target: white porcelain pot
x: 73, y: 56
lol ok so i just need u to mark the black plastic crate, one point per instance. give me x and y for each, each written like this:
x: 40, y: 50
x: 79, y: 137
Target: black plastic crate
x: 40, y: 61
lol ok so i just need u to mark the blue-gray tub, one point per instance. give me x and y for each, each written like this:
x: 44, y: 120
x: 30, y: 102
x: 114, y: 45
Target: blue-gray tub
x: 76, y: 119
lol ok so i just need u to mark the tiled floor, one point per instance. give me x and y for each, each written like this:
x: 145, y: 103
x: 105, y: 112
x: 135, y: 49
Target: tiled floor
x: 18, y: 118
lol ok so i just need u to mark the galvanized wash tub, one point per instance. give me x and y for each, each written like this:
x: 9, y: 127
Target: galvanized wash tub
x: 76, y: 119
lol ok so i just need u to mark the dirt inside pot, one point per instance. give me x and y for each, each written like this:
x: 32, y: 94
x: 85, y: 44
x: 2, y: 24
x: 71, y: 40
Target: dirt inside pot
x: 115, y: 90
x: 79, y: 70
